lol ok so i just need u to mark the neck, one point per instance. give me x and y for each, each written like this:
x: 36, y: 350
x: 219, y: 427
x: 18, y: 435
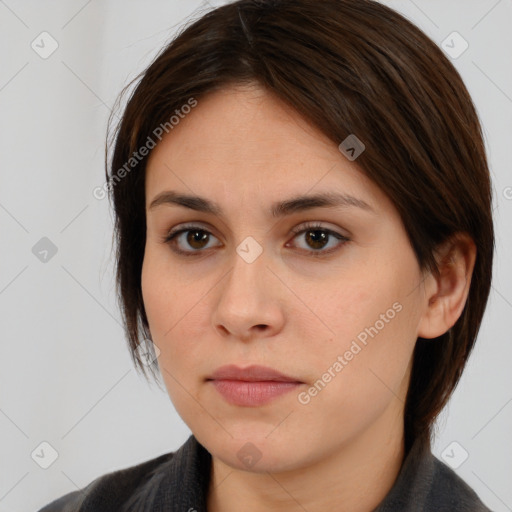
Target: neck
x: 355, y: 477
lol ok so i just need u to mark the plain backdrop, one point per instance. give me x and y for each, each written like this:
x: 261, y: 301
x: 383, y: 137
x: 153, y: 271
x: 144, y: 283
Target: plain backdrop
x: 66, y: 379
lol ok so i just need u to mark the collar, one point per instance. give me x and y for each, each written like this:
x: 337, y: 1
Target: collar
x: 423, y: 484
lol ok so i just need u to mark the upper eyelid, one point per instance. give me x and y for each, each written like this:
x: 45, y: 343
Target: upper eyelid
x: 188, y: 227
x: 312, y: 224
x: 297, y: 230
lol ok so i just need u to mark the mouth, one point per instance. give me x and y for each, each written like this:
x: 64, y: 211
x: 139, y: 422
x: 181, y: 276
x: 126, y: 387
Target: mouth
x: 252, y: 386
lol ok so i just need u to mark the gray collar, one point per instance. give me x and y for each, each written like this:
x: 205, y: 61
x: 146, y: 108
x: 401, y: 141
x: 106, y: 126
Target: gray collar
x: 424, y: 484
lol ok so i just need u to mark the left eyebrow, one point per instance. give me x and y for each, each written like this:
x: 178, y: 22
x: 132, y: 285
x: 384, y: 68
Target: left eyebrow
x: 278, y: 209
x: 322, y: 200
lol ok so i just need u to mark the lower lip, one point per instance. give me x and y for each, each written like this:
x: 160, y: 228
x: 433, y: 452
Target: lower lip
x: 244, y: 393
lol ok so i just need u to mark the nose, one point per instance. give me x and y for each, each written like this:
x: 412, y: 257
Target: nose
x: 249, y: 303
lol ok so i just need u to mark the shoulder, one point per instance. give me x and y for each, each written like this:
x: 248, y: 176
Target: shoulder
x: 451, y: 493
x: 111, y: 489
x: 426, y: 484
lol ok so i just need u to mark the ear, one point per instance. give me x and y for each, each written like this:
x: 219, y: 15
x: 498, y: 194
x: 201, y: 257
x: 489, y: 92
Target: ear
x: 445, y: 296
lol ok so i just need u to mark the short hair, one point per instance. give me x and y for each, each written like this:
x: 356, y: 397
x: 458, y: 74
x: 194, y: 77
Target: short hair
x: 347, y: 68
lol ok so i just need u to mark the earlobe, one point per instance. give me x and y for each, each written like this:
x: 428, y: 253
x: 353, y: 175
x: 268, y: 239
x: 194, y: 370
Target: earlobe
x: 446, y: 295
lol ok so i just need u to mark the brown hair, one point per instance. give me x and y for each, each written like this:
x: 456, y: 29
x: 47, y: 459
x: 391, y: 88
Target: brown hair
x: 348, y: 68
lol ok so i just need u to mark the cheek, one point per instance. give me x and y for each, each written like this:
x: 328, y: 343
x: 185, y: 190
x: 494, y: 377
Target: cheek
x: 363, y: 367
x: 355, y: 306
x: 356, y: 381
x: 165, y: 292
x: 176, y: 312
x: 369, y: 334
x: 157, y: 296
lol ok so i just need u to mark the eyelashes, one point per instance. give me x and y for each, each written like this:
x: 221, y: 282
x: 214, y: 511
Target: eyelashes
x: 316, y: 234
x: 326, y: 235
x: 174, y: 237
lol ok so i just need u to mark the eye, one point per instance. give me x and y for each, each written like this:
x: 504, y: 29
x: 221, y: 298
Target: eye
x: 318, y: 237
x: 191, y: 236
x: 198, y: 239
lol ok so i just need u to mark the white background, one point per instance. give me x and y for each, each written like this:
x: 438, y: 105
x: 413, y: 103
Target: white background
x: 65, y: 373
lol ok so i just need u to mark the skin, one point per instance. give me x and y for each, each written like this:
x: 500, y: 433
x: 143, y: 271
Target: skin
x: 289, y: 309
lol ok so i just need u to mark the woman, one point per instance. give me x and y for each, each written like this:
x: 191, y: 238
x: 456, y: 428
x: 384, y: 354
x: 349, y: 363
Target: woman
x: 305, y: 245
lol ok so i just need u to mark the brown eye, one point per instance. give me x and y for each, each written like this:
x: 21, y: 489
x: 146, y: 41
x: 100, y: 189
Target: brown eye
x: 316, y: 238
x: 189, y: 241
x: 197, y: 239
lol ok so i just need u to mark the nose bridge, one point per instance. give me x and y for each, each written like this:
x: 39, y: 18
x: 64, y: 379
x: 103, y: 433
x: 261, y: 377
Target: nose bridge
x: 247, y: 273
x: 245, y: 299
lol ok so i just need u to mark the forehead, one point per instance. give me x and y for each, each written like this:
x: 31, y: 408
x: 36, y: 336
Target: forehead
x: 244, y: 142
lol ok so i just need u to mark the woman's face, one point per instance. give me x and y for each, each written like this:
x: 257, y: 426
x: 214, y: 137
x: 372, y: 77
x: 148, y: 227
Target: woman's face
x: 329, y: 295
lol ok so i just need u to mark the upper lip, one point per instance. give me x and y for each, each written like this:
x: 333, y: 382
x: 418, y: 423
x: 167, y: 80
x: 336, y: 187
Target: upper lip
x: 253, y: 373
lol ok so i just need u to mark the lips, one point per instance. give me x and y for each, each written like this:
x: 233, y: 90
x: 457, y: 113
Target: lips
x: 252, y: 386
x: 254, y: 373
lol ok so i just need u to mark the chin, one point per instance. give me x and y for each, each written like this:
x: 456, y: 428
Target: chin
x: 253, y: 450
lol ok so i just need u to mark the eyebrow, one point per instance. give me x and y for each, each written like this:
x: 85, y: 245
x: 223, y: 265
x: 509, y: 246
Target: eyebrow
x: 278, y: 209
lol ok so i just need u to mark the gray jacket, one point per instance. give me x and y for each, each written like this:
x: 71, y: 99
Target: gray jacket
x: 178, y: 481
